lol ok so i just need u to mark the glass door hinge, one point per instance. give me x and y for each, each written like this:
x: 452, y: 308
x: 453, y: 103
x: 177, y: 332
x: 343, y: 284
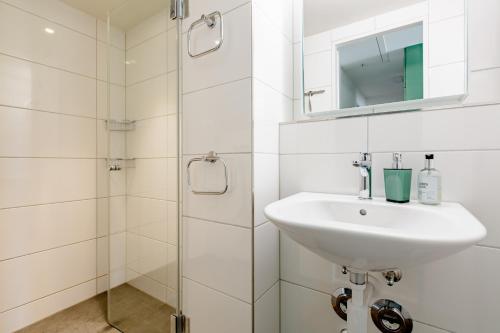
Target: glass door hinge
x: 179, y: 324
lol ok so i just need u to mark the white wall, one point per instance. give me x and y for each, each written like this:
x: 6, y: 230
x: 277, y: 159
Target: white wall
x: 49, y: 160
x: 272, y: 29
x: 317, y: 156
x: 444, y: 49
x: 234, y: 100
x: 217, y: 230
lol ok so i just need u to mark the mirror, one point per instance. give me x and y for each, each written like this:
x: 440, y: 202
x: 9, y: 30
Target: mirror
x: 365, y: 56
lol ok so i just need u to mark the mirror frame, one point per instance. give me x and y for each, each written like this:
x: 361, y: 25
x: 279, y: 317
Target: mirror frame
x: 403, y: 106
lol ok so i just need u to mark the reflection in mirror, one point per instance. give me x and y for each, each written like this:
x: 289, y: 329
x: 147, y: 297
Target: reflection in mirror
x: 363, y: 56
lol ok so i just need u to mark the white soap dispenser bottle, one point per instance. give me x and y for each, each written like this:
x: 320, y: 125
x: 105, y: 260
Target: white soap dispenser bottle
x: 429, y: 183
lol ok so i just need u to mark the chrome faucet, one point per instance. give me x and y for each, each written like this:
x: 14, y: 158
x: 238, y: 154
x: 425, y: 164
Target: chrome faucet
x: 365, y: 168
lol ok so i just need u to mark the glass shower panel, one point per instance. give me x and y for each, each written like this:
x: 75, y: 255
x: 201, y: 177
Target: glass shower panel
x: 142, y: 135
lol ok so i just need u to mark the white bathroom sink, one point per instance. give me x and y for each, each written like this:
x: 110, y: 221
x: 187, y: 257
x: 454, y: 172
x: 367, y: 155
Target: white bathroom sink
x: 389, y: 236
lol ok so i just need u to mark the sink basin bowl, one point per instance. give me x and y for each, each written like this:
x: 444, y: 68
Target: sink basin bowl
x: 375, y: 235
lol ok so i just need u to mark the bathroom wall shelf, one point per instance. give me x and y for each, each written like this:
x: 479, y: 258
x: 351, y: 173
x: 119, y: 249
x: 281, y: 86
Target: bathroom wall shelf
x: 120, y: 125
x: 117, y: 164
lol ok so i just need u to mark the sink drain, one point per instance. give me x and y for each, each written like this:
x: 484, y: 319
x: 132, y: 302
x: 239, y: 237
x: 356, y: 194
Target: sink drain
x: 363, y: 212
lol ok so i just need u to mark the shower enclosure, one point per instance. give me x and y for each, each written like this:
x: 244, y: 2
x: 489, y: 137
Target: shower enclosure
x: 142, y: 157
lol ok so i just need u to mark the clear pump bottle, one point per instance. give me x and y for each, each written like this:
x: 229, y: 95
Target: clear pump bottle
x: 429, y: 183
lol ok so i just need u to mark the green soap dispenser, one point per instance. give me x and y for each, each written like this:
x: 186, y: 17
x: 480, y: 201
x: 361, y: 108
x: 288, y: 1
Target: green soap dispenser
x: 397, y: 181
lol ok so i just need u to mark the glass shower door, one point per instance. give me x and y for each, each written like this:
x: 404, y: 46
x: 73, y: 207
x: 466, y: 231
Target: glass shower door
x: 141, y: 129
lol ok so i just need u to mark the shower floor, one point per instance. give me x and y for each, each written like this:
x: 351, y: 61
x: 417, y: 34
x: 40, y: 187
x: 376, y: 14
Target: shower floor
x: 132, y: 310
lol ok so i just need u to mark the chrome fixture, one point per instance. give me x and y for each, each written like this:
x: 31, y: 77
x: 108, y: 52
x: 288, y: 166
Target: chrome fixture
x: 120, y: 125
x: 211, y: 21
x: 116, y: 164
x: 312, y: 93
x: 365, y: 169
x: 391, y: 317
x: 177, y: 9
x: 339, y: 301
x: 212, y: 158
x: 392, y: 276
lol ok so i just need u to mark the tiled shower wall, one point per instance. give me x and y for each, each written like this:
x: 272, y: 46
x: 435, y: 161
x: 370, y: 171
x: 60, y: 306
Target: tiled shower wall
x: 317, y: 156
x: 233, y: 102
x: 51, y: 95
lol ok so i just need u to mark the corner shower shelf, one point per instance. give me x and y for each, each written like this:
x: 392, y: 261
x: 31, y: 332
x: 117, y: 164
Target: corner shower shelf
x: 120, y: 125
x: 116, y: 164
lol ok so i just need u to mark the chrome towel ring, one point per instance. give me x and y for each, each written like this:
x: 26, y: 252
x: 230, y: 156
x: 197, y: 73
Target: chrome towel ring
x: 211, y: 157
x: 211, y: 21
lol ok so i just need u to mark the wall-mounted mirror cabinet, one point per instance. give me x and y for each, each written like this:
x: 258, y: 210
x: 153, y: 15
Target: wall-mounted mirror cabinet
x: 365, y: 56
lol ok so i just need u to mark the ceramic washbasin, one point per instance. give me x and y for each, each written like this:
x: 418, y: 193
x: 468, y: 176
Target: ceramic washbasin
x: 375, y: 235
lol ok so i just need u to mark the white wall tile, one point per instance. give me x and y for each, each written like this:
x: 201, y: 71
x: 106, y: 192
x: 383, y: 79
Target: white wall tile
x: 204, y: 306
x: 117, y: 36
x: 233, y: 61
x: 402, y: 16
x: 148, y: 98
x: 219, y: 256
x: 273, y: 68
x: 30, y: 181
x: 267, y: 314
x: 28, y: 85
x: 57, y: 11
x: 147, y: 29
x: 298, y: 90
x: 318, y: 173
x: 318, y: 70
x: 279, y: 13
x: 307, y: 269
x: 218, y: 119
x: 299, y: 305
x: 44, y: 134
x: 484, y: 32
x: 447, y: 80
x: 233, y: 207
x: 266, y: 184
x: 69, y: 50
x: 149, y: 178
x: 117, y: 101
x: 28, y: 278
x: 32, y: 229
x: 443, y: 9
x: 148, y: 139
x: 147, y: 60
x: 358, y: 28
x: 116, y: 63
x: 337, y: 136
x: 102, y: 258
x: 297, y: 20
x: 269, y: 108
x: 266, y: 258
x: 317, y: 43
x: 20, y: 317
x: 471, y: 128
x: 110, y: 144
x: 446, y: 41
x: 484, y: 86
x: 148, y: 217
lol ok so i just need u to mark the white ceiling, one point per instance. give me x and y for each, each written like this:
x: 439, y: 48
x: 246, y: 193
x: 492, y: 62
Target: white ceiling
x: 125, y: 14
x: 322, y: 15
